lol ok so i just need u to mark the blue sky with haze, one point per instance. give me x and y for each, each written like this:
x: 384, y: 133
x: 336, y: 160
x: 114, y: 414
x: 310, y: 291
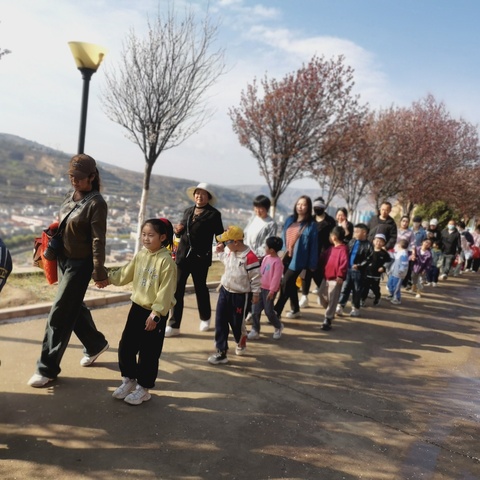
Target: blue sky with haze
x: 400, y: 50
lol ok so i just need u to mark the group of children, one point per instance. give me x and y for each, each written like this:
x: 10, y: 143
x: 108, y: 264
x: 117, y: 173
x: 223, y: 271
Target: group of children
x: 354, y: 269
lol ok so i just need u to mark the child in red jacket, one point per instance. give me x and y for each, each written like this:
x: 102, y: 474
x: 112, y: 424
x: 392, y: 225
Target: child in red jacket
x: 334, y: 264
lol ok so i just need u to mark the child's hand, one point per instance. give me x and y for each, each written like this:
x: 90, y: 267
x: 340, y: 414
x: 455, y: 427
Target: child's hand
x: 102, y: 283
x: 255, y: 298
x: 381, y: 270
x: 339, y: 280
x: 150, y: 323
x: 271, y: 295
x: 355, y: 267
x: 220, y: 248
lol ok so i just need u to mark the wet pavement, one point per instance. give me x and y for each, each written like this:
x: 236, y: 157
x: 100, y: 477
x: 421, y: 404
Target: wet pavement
x: 393, y: 394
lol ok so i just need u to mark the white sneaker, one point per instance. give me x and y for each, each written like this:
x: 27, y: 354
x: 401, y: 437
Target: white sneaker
x: 315, y: 291
x: 292, y: 314
x: 242, y: 346
x: 172, y: 332
x: 253, y: 334
x: 443, y: 276
x: 128, y: 386
x: 395, y: 301
x: 427, y: 284
x: 303, y: 301
x: 138, y: 396
x: 88, y: 360
x: 355, y: 312
x: 418, y: 295
x: 204, y: 325
x: 278, y: 332
x: 434, y: 284
x: 339, y: 310
x: 37, y: 380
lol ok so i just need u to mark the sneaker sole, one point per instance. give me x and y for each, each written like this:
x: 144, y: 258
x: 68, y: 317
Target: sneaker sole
x: 139, y: 401
x: 40, y: 384
x: 172, y: 333
x: 121, y: 396
x: 220, y: 362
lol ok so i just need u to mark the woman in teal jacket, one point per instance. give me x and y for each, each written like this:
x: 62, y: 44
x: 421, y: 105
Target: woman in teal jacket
x: 301, y: 252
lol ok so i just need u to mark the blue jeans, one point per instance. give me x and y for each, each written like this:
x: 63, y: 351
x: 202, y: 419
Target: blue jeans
x: 69, y: 314
x: 394, y: 285
x: 353, y: 284
x: 264, y: 304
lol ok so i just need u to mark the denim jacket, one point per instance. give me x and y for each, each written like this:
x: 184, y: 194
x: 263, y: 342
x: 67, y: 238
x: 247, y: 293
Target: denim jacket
x: 305, y: 252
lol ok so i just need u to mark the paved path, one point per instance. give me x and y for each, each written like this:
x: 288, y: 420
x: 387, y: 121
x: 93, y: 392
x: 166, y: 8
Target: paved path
x: 391, y: 395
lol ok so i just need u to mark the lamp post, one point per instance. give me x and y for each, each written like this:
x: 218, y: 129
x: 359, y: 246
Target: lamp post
x: 88, y: 58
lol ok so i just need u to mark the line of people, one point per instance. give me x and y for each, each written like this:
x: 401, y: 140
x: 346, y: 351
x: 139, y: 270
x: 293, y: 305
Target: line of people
x: 341, y: 259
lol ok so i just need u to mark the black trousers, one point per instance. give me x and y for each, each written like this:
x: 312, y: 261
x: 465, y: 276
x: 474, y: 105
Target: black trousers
x: 307, y: 281
x: 198, y: 268
x: 147, y: 345
x: 288, y: 290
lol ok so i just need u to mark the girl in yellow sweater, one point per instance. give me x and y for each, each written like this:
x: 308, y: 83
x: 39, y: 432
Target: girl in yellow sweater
x: 154, y: 276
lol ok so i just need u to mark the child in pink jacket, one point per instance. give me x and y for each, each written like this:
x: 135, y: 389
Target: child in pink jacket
x: 272, y: 271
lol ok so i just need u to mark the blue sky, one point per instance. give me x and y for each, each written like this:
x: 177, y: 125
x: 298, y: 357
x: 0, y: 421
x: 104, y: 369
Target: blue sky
x: 400, y: 50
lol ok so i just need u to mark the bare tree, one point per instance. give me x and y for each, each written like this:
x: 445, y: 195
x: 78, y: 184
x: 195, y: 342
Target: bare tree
x: 342, y: 145
x: 283, y: 123
x: 158, y: 91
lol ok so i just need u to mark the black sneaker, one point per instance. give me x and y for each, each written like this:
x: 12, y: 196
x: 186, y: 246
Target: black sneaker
x: 327, y: 324
x: 376, y: 301
x: 218, y: 358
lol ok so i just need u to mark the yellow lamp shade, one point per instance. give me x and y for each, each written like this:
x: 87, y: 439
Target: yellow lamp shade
x: 87, y: 55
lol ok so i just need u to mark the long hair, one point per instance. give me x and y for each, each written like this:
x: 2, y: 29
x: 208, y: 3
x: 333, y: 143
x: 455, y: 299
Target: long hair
x: 96, y: 182
x: 308, y: 215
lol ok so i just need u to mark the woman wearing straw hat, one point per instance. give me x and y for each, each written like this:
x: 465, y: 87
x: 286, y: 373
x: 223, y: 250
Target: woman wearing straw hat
x: 200, y: 224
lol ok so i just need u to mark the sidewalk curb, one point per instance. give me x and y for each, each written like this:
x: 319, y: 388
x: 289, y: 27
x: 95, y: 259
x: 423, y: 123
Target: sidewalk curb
x: 15, y: 313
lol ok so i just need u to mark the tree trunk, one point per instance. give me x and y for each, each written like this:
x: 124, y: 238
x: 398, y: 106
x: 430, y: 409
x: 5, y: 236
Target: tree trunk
x: 143, y: 205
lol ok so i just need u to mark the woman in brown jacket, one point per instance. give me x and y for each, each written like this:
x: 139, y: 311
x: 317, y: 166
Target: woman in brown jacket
x: 83, y: 220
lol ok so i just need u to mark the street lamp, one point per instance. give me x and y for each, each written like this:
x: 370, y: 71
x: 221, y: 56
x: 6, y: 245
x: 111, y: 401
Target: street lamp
x: 88, y: 58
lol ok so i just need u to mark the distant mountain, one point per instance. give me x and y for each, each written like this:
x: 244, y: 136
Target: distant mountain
x: 32, y: 173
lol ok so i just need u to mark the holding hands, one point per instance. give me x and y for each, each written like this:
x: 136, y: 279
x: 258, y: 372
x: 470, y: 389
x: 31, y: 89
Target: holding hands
x: 102, y: 283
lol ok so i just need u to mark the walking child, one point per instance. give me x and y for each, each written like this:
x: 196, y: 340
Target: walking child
x: 241, y: 276
x: 154, y: 276
x: 359, y: 250
x: 422, y: 259
x: 398, y: 271
x: 334, y: 265
x: 271, y: 271
x: 375, y: 268
x: 433, y: 272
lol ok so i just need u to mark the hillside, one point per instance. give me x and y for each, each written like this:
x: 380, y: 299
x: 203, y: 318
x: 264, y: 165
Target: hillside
x: 32, y: 174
